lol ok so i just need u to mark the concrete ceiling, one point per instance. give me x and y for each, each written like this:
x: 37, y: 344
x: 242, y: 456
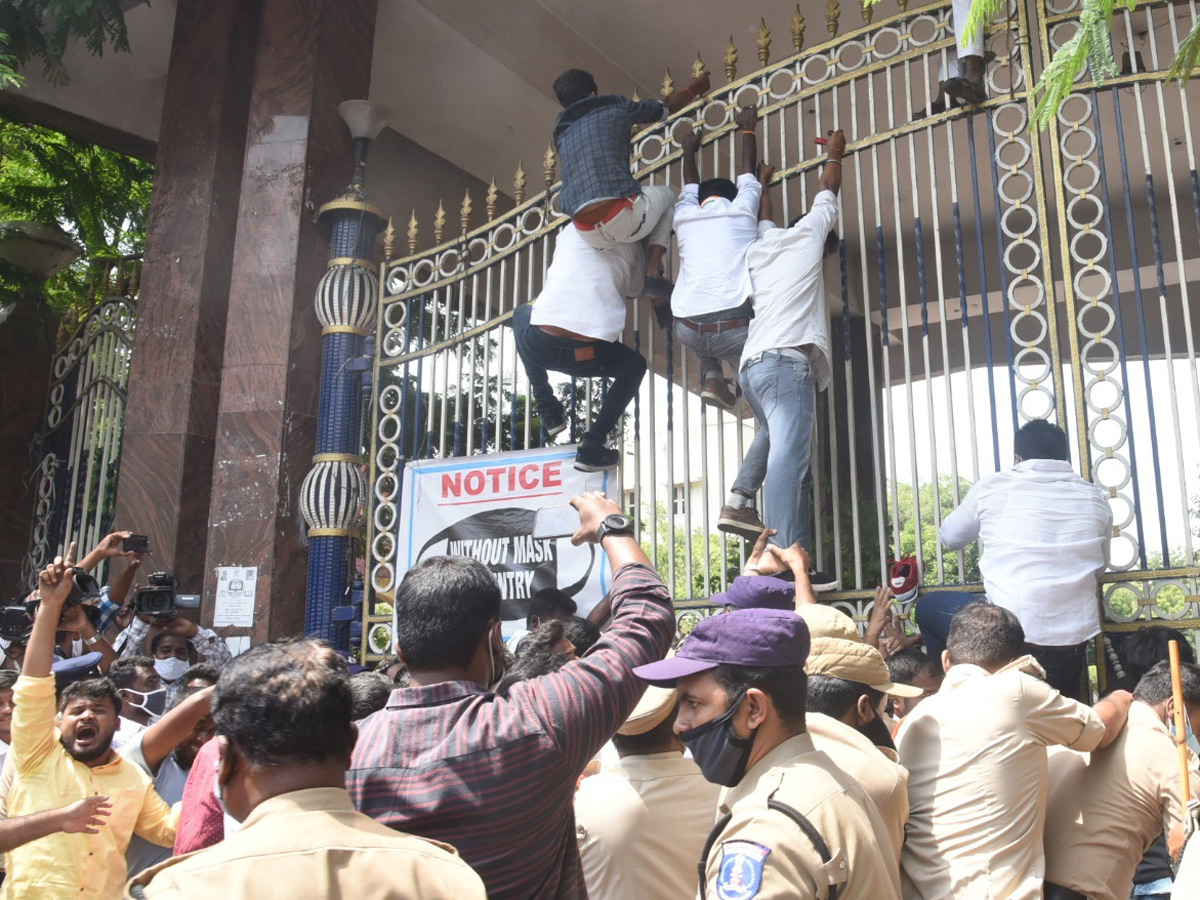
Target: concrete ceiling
x: 468, y: 81
x: 472, y: 81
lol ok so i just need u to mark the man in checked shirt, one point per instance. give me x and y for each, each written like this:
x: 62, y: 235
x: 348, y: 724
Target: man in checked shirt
x: 605, y: 201
x: 494, y: 776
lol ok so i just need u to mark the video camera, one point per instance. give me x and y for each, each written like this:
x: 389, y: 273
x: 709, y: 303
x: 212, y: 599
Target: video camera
x: 83, y: 588
x: 159, y: 598
x: 15, y: 624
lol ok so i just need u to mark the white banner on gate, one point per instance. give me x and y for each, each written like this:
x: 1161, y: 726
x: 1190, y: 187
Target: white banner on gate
x: 484, y: 507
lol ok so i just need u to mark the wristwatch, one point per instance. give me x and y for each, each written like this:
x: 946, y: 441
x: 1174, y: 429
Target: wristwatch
x: 614, y: 524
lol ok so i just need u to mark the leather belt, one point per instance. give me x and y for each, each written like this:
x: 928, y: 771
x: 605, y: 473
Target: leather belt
x: 555, y: 331
x: 605, y: 213
x: 781, y: 352
x: 714, y: 327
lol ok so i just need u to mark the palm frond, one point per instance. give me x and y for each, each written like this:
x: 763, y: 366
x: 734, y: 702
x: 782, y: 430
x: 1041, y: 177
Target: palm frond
x: 1187, y: 57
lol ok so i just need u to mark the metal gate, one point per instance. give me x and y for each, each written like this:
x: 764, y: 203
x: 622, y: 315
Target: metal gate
x: 987, y: 276
x: 80, y: 440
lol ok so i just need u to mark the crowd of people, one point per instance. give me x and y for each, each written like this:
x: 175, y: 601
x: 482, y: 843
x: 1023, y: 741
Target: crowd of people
x: 772, y: 752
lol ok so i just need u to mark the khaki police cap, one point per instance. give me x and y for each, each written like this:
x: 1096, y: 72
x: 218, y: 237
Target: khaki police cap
x: 855, y: 661
x: 656, y: 704
x: 829, y: 622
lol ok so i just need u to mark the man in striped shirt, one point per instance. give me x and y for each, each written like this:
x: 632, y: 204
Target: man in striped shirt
x: 495, y: 776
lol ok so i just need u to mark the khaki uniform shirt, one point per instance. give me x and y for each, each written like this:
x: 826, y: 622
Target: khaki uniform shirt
x: 976, y: 758
x: 641, y: 826
x: 313, y: 845
x: 882, y: 779
x: 1106, y: 812
x: 761, y: 852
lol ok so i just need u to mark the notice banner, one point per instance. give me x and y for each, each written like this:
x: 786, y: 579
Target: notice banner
x: 484, y: 507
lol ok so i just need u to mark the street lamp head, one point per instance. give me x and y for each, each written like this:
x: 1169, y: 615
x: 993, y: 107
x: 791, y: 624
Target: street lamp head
x: 364, y: 118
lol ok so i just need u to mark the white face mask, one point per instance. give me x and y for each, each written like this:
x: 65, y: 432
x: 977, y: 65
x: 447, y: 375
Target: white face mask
x: 171, y: 668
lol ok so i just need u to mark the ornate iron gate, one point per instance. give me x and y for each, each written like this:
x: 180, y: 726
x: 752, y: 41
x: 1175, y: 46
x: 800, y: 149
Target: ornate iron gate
x: 81, y: 433
x: 988, y: 276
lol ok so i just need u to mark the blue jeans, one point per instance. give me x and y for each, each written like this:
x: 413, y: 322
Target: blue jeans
x: 541, y: 352
x: 780, y: 391
x: 934, y: 611
x: 712, y: 348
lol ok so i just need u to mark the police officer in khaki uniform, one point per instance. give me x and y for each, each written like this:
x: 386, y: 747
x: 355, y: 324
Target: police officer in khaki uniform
x: 791, y: 824
x: 642, y: 823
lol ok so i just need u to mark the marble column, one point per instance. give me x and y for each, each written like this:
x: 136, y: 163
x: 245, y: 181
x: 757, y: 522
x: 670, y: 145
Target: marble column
x: 175, y: 377
x: 312, y: 54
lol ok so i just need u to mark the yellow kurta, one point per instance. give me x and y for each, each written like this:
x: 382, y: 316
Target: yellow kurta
x: 73, y: 866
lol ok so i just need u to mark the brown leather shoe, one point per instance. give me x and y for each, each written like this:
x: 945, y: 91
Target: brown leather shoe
x: 715, y: 392
x: 743, y: 522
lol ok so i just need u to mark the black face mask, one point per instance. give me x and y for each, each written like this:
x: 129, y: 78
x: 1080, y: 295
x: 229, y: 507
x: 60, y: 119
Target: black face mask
x: 877, y: 733
x: 720, y: 754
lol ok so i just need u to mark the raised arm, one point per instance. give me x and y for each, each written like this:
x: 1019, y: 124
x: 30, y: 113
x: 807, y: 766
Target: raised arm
x: 831, y: 178
x: 747, y: 121
x: 583, y: 703
x: 766, y: 213
x: 690, y: 143
x: 174, y: 728
x: 109, y: 546
x: 681, y: 98
x: 54, y: 586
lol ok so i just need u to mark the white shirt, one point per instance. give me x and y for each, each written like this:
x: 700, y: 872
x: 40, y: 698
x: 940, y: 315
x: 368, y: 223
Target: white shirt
x: 585, y: 288
x: 1045, y: 534
x: 713, y: 238
x: 127, y: 731
x: 789, y: 287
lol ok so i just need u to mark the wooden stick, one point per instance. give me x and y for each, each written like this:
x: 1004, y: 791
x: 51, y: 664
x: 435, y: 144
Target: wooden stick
x: 1180, y: 733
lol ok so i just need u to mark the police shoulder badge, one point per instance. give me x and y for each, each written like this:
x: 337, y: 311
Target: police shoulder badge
x: 741, y: 871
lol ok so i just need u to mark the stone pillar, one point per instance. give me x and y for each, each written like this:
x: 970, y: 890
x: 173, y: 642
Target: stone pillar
x: 312, y: 54
x: 26, y: 353
x: 175, y: 377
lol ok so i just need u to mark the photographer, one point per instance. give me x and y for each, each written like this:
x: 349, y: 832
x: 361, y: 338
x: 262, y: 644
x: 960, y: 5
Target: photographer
x: 54, y: 768
x: 174, y: 647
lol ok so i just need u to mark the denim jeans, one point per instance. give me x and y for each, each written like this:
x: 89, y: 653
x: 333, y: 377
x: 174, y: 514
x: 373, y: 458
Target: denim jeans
x: 712, y: 348
x: 541, y: 352
x: 934, y: 611
x: 780, y: 391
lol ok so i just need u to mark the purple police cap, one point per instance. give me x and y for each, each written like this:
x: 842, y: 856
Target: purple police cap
x: 744, y: 637
x: 757, y: 592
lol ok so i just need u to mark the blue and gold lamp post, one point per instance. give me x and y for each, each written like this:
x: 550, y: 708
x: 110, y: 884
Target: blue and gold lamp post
x: 334, y: 491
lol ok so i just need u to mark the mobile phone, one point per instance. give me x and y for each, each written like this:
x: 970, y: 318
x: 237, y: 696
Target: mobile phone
x: 556, y: 522
x: 138, y: 543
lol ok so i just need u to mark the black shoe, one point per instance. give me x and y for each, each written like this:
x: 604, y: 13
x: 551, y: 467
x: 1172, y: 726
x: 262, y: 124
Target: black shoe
x: 596, y: 458
x: 972, y: 93
x: 657, y: 289
x: 555, y: 421
x: 822, y: 581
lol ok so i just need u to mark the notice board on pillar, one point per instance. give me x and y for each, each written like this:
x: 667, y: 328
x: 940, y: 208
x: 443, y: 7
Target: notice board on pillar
x: 484, y: 507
